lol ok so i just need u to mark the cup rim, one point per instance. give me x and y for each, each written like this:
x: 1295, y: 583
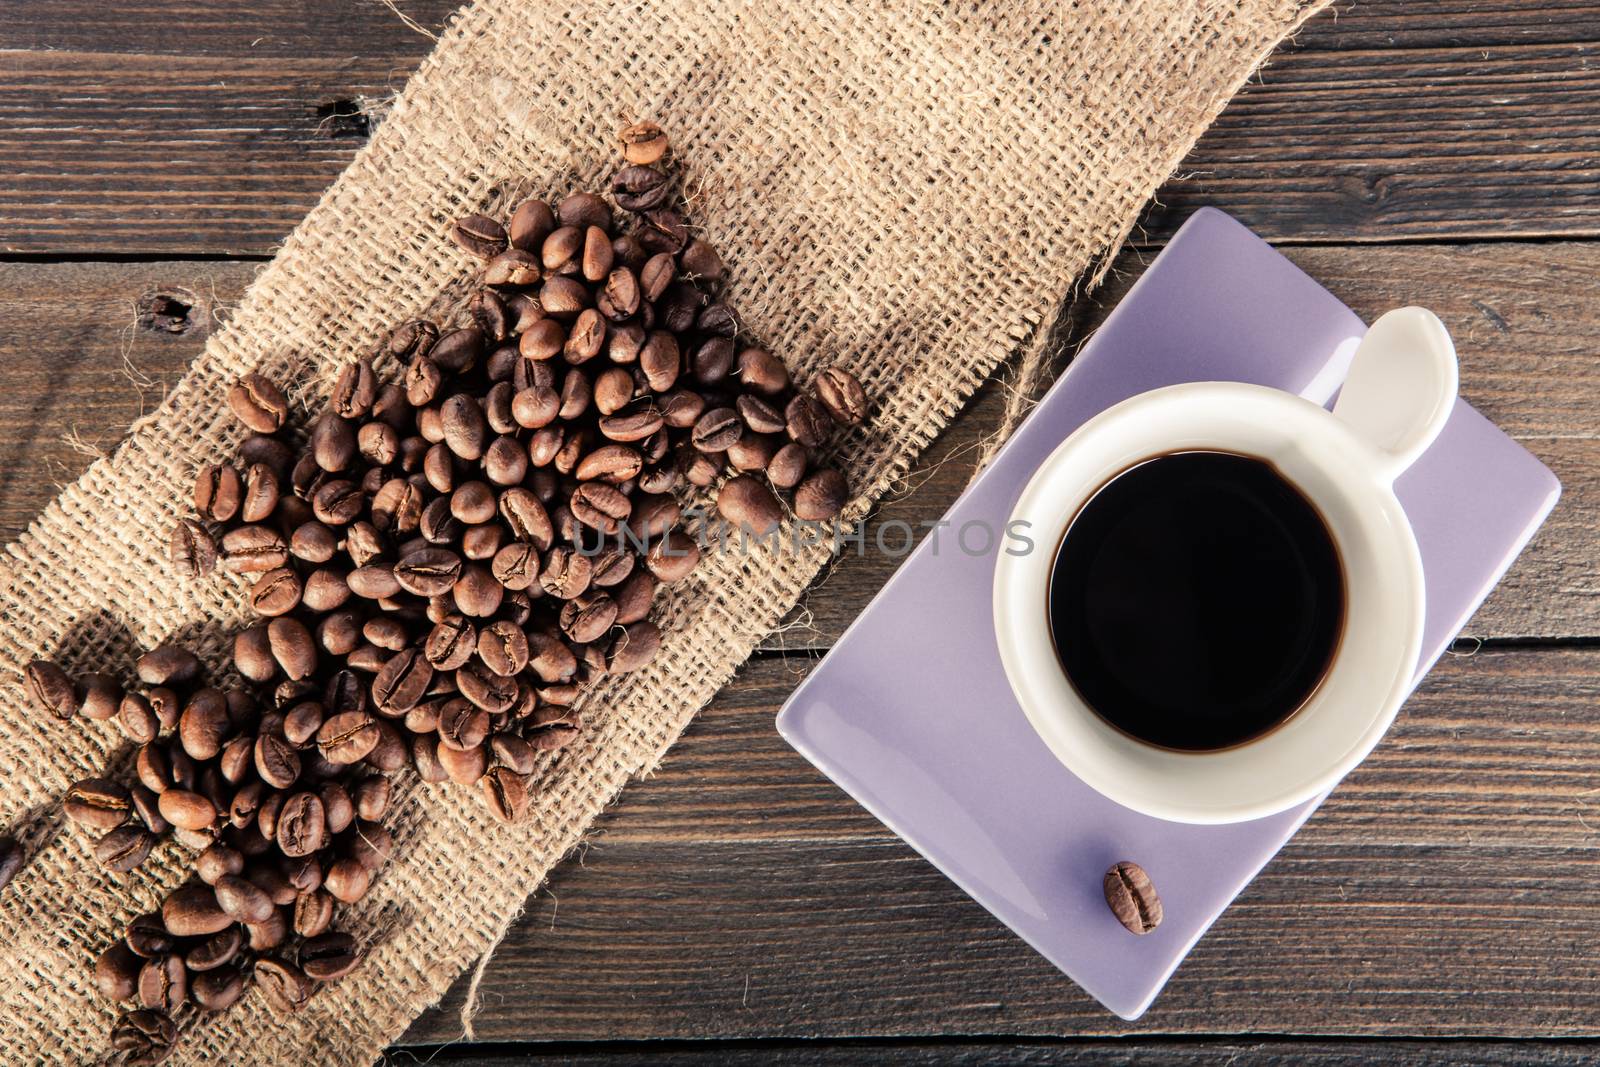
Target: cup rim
x: 1243, y: 782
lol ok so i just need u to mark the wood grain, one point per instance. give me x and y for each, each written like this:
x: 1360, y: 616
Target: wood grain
x: 1028, y: 1053
x: 218, y: 139
x: 1447, y: 888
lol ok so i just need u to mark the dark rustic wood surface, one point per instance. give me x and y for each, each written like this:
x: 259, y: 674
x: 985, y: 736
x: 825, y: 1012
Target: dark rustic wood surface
x: 736, y: 908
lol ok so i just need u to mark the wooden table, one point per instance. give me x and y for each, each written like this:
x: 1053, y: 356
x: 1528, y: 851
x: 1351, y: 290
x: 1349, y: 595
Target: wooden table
x: 738, y: 908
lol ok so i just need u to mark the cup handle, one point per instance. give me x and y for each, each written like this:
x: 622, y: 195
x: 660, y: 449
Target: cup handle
x: 1401, y: 387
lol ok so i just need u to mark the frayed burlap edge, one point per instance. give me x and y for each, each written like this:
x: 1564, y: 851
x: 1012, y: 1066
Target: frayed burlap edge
x: 905, y: 188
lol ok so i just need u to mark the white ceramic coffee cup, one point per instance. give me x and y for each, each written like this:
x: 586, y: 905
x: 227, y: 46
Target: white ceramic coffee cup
x: 1399, y: 392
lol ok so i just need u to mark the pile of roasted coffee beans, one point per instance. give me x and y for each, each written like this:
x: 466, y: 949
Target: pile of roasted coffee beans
x: 441, y: 566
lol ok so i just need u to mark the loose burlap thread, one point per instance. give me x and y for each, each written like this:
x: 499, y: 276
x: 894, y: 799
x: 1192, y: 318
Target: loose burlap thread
x: 907, y: 189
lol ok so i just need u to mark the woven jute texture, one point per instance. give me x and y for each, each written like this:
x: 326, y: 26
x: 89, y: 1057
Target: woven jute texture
x: 909, y: 189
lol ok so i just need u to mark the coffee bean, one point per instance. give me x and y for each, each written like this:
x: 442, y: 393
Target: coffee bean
x: 116, y: 972
x: 462, y: 725
x: 217, y: 861
x: 276, y: 592
x: 330, y: 956
x: 348, y: 737
x: 485, y: 689
x: 242, y: 900
x: 286, y: 985
x: 333, y: 444
x: 124, y: 848
x: 302, y: 825
x: 640, y: 188
x: 218, y: 950
x: 716, y: 430
x: 355, y: 390
x: 747, y: 504
x: 630, y: 425
x: 589, y: 618
x: 97, y: 803
x: 476, y: 593
x: 634, y: 647
x: 51, y: 690
x: 270, y: 935
x: 841, y: 394
x: 372, y: 797
x: 292, y: 647
x: 163, y: 983
x: 505, y: 793
x: 763, y: 372
x: 503, y: 648
x: 663, y: 230
x: 186, y: 809
x: 144, y: 1036
x: 643, y: 143
x: 480, y: 235
x: 701, y: 260
x: 584, y: 209
x: 821, y: 496
x: 634, y: 597
x: 1132, y: 898
x: 717, y: 319
x: 552, y: 728
x: 148, y: 937
x: 192, y: 911
x: 192, y: 549
x: 218, y: 492
x: 258, y: 404
x: 760, y: 416
x: 566, y: 573
x: 428, y: 571
x: 530, y: 224
x: 788, y: 465
x: 219, y: 989
x: 672, y: 557
x: 600, y: 506
x: 253, y: 549
x: 313, y: 913
x: 807, y: 421
x: 452, y: 641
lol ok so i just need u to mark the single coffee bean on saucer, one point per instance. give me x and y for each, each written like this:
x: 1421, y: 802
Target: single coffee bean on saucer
x: 1132, y: 897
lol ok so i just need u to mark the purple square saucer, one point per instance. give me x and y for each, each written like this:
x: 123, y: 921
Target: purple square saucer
x: 968, y: 783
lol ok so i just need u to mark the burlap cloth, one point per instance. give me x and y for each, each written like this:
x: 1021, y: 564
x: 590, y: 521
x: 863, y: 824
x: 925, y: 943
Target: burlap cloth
x: 908, y: 189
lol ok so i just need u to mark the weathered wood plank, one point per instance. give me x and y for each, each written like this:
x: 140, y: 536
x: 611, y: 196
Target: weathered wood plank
x: 219, y: 139
x: 1447, y: 889
x: 1028, y: 1053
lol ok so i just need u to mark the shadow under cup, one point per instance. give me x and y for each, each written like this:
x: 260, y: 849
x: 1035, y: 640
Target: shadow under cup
x: 1197, y: 600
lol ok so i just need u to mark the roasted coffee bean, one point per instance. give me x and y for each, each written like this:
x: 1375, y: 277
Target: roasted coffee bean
x: 821, y: 496
x: 510, y: 750
x: 276, y: 592
x: 701, y: 260
x: 588, y: 619
x: 313, y: 542
x: 400, y: 684
x: 596, y: 258
x: 506, y: 794
x: 326, y: 589
x: 252, y: 549
x: 187, y: 810
x: 584, y: 209
x: 530, y: 224
x: 292, y: 647
x: 192, y: 549
x: 329, y: 956
x: 663, y: 230
x: 372, y: 797
x: 333, y: 443
x: 482, y: 542
x: 215, y: 951
x: 397, y: 506
x: 438, y: 526
x: 476, y: 592
x: 639, y: 188
x: 270, y: 935
x: 51, y: 690
x: 661, y: 360
x: 552, y: 729
x: 116, y: 972
x: 600, y: 506
x: 463, y: 766
x: 634, y: 597
x: 204, y: 724
x: 218, y: 989
x: 563, y: 297
x: 428, y: 571
x: 807, y: 421
x: 422, y: 381
x: 252, y: 655
x: 752, y: 452
x: 473, y: 502
x: 671, y: 558
x: 348, y: 880
x: 97, y: 803
x: 763, y: 372
x: 503, y: 648
x: 425, y: 759
x: 748, y: 504
x: 550, y: 658
x: 313, y: 913
x: 486, y: 689
x: 167, y: 664
x: 163, y: 983
x: 242, y: 900
x: 643, y: 143
x: 258, y: 404
x: 218, y: 492
x: 302, y: 825
x: 717, y: 319
x: 462, y: 725
x: 144, y: 1037
x: 566, y: 573
x: 452, y: 641
x: 216, y: 861
x: 535, y: 407
x: 716, y: 430
x: 337, y: 503
x: 788, y: 465
x: 760, y: 416
x: 148, y: 937
x: 355, y: 390
x: 276, y: 761
x: 842, y: 396
x: 634, y: 647
x: 349, y: 737
x: 1132, y: 898
x: 480, y: 235
x: 386, y: 632
x: 620, y: 298
x: 192, y: 911
x: 286, y: 986
x: 124, y: 848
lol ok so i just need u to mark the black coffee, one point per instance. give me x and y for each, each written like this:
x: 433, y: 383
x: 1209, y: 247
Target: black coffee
x: 1196, y: 600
